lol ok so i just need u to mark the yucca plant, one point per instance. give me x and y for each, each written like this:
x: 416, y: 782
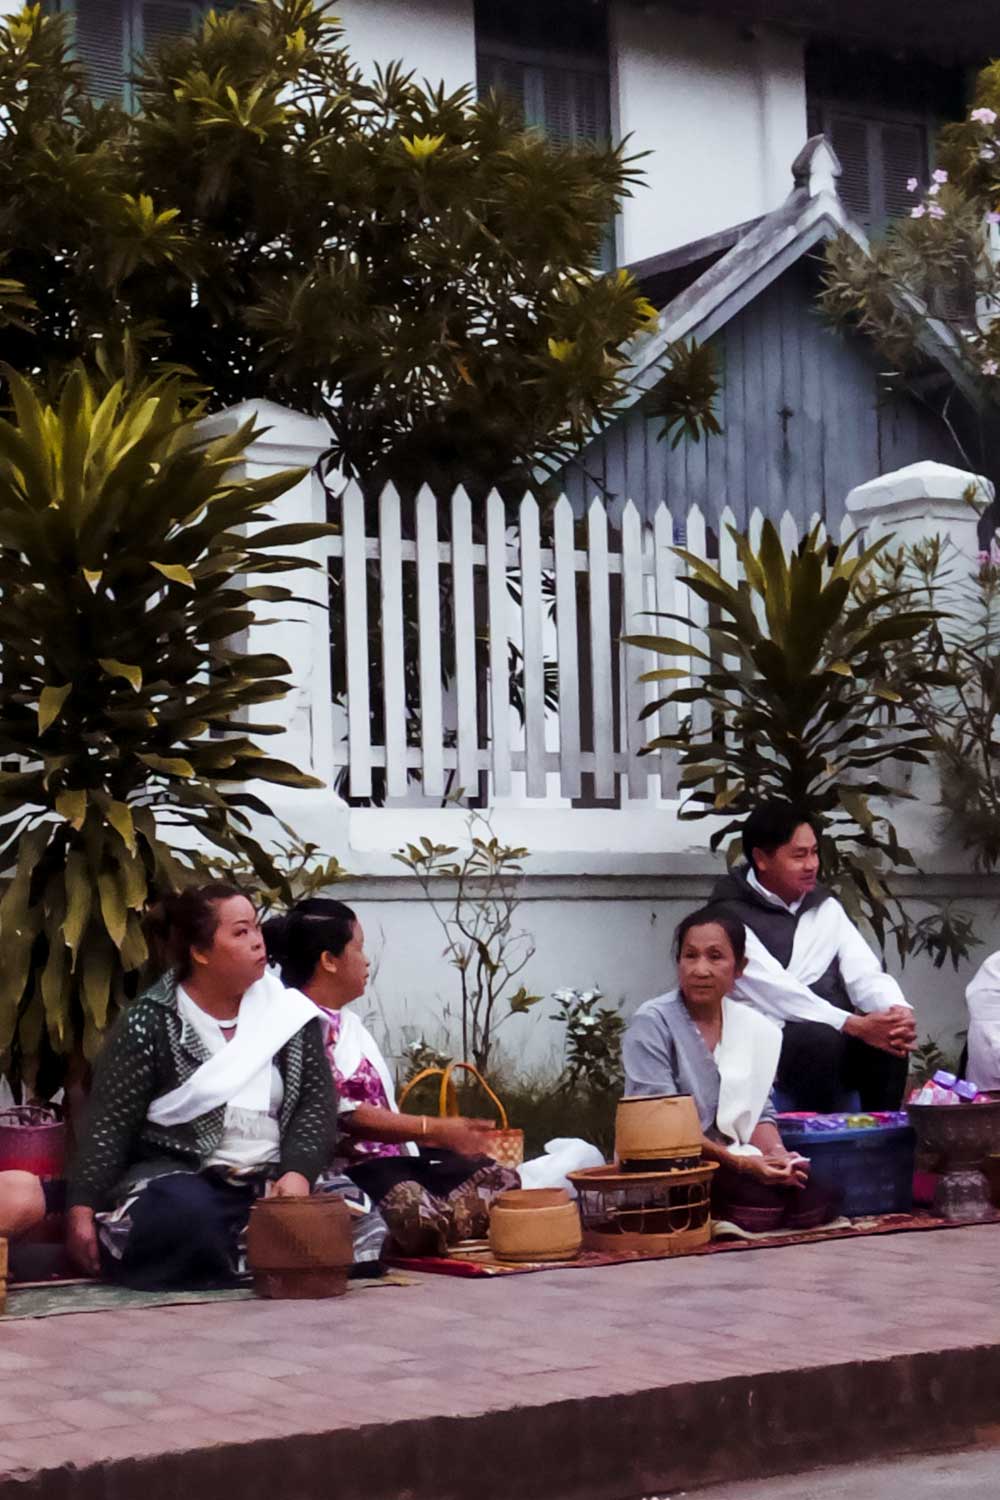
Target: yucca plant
x: 124, y: 560
x: 796, y: 668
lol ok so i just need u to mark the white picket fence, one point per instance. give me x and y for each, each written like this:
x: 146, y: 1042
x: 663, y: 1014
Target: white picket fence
x: 494, y: 601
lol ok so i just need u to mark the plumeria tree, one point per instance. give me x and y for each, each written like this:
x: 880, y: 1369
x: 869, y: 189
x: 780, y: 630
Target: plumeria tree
x: 415, y: 265
x: 938, y: 262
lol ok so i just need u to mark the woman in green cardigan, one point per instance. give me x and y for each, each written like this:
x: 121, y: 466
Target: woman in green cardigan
x: 212, y: 1087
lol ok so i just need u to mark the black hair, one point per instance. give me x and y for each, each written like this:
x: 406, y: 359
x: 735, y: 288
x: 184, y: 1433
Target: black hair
x: 772, y: 824
x: 185, y: 920
x: 731, y: 926
x: 297, y: 940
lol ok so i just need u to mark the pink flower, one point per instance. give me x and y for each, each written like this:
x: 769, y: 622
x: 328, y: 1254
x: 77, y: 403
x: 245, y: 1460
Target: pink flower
x: 939, y: 175
x: 984, y: 116
x: 918, y: 212
x: 912, y: 184
x: 993, y: 217
x: 936, y: 211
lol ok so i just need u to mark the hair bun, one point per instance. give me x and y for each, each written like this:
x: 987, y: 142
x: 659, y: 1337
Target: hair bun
x: 277, y: 937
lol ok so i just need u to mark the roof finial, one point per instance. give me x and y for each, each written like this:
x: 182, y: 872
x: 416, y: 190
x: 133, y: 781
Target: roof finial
x: 817, y: 167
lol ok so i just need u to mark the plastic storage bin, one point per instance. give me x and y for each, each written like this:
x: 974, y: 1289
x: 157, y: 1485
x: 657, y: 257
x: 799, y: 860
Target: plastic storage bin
x: 871, y: 1165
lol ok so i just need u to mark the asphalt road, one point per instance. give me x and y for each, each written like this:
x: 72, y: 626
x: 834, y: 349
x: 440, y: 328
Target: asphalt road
x: 973, y: 1475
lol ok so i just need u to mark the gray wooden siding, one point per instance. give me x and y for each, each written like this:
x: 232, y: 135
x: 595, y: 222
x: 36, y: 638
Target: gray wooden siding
x: 805, y: 418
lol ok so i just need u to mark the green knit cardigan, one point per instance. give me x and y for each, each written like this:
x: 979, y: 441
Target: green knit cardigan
x: 148, y: 1052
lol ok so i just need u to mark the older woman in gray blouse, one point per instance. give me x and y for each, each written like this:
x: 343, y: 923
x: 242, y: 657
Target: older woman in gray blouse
x: 697, y: 1040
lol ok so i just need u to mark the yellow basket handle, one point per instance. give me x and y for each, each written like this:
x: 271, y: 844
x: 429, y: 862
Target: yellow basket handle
x: 447, y: 1097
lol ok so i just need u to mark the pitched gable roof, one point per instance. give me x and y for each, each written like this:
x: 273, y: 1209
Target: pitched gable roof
x: 760, y: 252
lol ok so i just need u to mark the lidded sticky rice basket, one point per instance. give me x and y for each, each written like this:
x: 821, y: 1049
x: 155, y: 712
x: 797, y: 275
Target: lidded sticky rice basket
x: 535, y: 1224
x: 654, y: 1213
x: 657, y: 1133
x: 300, y: 1247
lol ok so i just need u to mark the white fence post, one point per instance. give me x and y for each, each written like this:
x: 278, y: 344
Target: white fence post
x: 921, y: 501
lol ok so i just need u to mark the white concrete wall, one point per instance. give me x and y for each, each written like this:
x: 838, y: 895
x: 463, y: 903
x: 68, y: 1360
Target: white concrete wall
x: 433, y: 38
x: 602, y: 895
x: 721, y: 109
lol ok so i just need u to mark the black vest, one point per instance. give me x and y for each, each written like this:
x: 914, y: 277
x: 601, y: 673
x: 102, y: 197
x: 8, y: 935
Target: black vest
x: 774, y: 926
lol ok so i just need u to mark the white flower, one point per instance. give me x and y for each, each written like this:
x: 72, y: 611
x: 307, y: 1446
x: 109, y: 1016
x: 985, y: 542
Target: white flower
x: 984, y: 116
x: 939, y: 175
x: 918, y: 212
x: 988, y: 153
x: 993, y: 217
x: 933, y: 190
x: 990, y: 367
x: 936, y: 211
x: 912, y: 184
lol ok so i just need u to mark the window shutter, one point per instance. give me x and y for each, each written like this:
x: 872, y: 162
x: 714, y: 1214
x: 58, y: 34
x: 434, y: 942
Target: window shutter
x: 559, y: 106
x: 904, y: 155
x: 496, y: 75
x: 571, y: 106
x: 102, y: 43
x: 165, y: 20
x: 877, y: 157
x: 576, y: 107
x: 849, y: 138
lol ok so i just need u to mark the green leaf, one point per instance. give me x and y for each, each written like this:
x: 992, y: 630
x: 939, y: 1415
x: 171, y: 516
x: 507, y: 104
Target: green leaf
x: 112, y: 906
x: 113, y: 668
x: 97, y: 959
x: 168, y: 765
x: 176, y: 573
x: 72, y: 805
x: 79, y: 901
x: 50, y: 702
x: 119, y: 815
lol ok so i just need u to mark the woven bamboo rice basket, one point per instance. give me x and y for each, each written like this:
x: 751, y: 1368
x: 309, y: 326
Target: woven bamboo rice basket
x: 654, y: 1213
x: 300, y: 1247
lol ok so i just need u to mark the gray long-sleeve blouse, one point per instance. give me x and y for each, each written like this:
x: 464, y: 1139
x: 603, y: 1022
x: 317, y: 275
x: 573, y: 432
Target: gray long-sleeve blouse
x: 665, y: 1053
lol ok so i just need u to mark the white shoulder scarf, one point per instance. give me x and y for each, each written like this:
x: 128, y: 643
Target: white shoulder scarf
x: 747, y: 1059
x: 354, y: 1044
x: 240, y: 1073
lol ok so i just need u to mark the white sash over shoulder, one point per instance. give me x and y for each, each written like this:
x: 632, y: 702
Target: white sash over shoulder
x: 747, y: 1059
x: 240, y: 1073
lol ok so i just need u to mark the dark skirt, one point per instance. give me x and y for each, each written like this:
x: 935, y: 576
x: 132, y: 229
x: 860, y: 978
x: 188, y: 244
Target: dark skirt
x: 758, y: 1206
x: 437, y: 1170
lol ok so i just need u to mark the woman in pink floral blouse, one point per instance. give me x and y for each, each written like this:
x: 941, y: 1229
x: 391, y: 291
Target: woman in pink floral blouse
x: 428, y: 1177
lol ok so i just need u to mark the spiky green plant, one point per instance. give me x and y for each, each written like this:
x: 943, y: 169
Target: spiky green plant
x: 796, y: 669
x: 124, y: 561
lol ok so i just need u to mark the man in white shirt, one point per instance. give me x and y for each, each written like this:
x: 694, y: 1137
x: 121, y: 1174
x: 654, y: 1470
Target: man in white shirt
x: 847, y: 1027
x: 983, y: 999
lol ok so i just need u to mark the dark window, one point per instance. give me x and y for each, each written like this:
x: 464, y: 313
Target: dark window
x: 551, y: 58
x: 108, y: 35
x: 881, y: 115
x: 878, y: 158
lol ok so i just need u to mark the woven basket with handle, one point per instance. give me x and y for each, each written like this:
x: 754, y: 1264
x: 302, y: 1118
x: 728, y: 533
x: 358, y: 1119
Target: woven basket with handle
x: 505, y: 1145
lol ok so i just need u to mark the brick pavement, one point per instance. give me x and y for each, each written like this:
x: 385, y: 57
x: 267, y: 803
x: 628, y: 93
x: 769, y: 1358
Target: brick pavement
x: 603, y: 1383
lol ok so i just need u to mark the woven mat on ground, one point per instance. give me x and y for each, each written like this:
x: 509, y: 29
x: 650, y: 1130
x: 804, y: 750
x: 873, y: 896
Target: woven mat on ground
x: 474, y: 1259
x: 53, y: 1298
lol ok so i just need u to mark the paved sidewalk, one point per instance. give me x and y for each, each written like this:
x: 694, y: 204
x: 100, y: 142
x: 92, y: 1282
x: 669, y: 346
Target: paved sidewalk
x: 623, y: 1381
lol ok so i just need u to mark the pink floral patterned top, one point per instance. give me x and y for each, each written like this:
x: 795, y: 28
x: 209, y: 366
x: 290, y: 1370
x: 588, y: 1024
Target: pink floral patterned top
x: 362, y: 1086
